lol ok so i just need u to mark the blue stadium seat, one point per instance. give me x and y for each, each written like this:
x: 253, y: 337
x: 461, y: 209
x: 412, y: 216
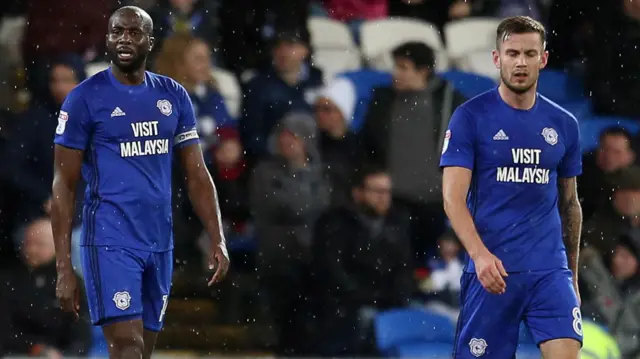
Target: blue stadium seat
x: 468, y: 84
x: 425, y: 350
x: 528, y: 351
x: 396, y: 328
x: 591, y: 128
x: 560, y: 87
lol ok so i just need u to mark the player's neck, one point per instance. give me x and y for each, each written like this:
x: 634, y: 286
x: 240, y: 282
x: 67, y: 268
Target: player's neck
x: 524, y: 101
x: 132, y: 78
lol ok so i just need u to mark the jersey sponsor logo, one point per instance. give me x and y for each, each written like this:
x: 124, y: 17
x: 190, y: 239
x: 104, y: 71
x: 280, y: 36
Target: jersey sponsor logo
x: 122, y: 300
x: 63, y: 117
x: 186, y: 136
x: 477, y: 347
x: 518, y: 174
x: 445, y: 144
x: 550, y: 135
x: 155, y: 146
x: 117, y: 112
x: 500, y: 136
x: 165, y: 107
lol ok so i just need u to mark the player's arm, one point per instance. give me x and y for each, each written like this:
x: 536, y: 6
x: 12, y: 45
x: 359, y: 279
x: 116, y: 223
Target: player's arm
x: 71, y: 139
x: 571, y: 215
x: 458, y: 161
x: 200, y: 187
x: 568, y: 201
x: 67, y: 171
x: 204, y: 198
x: 455, y: 188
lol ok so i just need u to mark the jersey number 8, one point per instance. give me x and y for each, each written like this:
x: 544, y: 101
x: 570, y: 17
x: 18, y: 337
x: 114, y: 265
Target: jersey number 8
x: 165, y: 302
x: 577, y: 321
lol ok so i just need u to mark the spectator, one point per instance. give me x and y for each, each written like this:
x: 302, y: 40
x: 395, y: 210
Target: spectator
x: 613, y: 284
x: 287, y: 193
x: 363, y: 261
x: 190, y: 17
x: 230, y: 174
x: 403, y: 131
x: 248, y: 26
x: 288, y: 86
x: 32, y: 321
x: 339, y: 148
x: 61, y: 28
x: 30, y: 148
x: 187, y: 59
x: 614, y: 153
x: 620, y: 217
x: 613, y: 62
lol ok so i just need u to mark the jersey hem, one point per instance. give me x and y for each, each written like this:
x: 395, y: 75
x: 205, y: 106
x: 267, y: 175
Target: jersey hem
x: 128, y: 247
x: 70, y: 146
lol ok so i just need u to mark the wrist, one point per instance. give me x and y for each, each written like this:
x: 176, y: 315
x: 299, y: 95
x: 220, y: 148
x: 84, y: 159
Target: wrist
x: 64, y: 264
x: 477, y: 252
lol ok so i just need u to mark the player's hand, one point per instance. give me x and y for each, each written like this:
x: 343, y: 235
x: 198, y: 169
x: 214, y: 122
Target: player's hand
x: 491, y: 273
x: 67, y: 291
x: 219, y: 259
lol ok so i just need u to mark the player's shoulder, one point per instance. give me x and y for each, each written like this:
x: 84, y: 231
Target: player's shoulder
x: 556, y: 112
x: 165, y: 83
x: 478, y: 105
x: 90, y: 86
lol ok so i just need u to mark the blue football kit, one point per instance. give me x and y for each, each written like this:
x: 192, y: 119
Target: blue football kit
x: 128, y: 135
x: 516, y: 157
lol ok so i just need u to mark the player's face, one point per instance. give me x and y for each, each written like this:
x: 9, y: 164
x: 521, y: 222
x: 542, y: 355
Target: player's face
x: 520, y: 58
x: 198, y: 62
x: 128, y: 44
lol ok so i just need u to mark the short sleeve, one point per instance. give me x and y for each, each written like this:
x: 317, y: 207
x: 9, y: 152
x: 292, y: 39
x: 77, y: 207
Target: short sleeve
x: 186, y: 133
x: 458, y: 149
x: 74, y: 123
x: 571, y: 164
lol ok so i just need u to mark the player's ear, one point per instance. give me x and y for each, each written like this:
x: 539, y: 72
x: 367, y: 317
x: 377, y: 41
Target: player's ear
x: 496, y: 58
x: 152, y: 41
x: 544, y: 59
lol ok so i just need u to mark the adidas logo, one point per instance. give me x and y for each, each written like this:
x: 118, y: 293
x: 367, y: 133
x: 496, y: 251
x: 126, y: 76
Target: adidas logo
x: 500, y: 136
x: 117, y: 112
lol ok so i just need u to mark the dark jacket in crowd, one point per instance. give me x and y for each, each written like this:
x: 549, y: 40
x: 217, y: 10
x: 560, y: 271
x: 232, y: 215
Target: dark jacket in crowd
x: 375, y: 134
x: 30, y: 314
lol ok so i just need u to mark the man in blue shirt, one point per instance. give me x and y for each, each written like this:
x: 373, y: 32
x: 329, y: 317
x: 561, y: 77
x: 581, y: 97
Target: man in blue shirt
x: 510, y: 160
x: 119, y: 129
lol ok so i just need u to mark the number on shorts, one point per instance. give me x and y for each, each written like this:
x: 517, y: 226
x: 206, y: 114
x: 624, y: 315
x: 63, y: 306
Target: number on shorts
x: 165, y: 302
x: 577, y: 321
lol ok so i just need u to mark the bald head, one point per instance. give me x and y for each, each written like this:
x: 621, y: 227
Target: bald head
x: 134, y: 12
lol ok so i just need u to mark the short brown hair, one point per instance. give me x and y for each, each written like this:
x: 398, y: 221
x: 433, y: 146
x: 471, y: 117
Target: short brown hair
x: 520, y: 25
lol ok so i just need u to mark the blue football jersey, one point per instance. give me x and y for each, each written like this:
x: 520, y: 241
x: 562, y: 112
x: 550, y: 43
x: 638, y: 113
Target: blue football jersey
x: 516, y: 157
x: 128, y: 134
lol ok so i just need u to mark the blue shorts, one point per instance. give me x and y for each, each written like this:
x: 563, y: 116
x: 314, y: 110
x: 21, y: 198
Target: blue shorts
x: 127, y: 284
x: 489, y: 324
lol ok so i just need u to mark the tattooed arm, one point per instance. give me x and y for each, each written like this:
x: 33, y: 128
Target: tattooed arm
x: 571, y: 215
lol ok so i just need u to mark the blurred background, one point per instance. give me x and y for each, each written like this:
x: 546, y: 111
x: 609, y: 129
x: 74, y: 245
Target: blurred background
x: 321, y: 123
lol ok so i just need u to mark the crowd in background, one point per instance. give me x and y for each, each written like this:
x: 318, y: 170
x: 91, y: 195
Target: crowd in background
x: 340, y: 198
